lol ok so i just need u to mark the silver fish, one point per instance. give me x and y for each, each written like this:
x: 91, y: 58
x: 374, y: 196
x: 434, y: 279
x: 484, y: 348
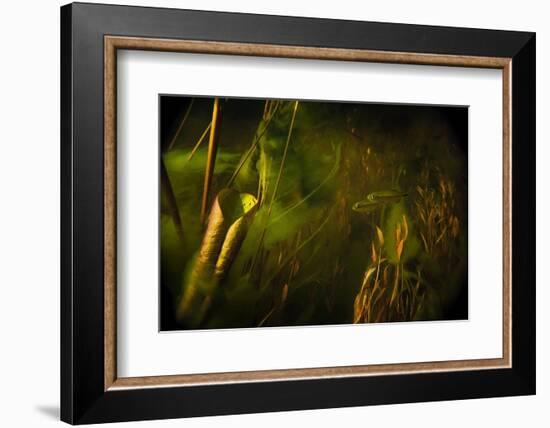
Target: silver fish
x: 377, y: 200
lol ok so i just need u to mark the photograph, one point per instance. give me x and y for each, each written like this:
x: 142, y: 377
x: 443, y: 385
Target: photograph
x: 285, y: 213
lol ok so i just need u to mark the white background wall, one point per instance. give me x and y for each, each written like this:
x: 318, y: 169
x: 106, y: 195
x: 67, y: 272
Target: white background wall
x: 29, y: 213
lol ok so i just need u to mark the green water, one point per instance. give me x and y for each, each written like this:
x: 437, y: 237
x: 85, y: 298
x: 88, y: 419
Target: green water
x: 307, y: 256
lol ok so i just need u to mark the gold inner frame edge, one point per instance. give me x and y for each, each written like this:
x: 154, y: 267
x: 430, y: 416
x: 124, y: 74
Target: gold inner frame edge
x: 113, y: 43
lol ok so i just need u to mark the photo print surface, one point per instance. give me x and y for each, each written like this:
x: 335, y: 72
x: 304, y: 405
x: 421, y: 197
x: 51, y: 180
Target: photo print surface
x: 279, y: 213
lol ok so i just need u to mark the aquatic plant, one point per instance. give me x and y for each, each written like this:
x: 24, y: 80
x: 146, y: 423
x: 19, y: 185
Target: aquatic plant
x: 228, y: 223
x: 181, y: 125
x: 438, y: 222
x: 388, y: 291
x: 199, y: 141
x: 168, y: 192
x: 267, y: 213
x: 270, y: 109
x: 212, y: 151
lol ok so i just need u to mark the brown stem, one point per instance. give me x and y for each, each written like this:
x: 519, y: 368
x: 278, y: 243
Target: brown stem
x: 250, y: 150
x: 168, y: 191
x: 180, y: 127
x: 211, y: 159
x: 199, y: 142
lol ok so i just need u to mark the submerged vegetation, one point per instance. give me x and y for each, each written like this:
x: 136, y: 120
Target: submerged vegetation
x: 282, y: 213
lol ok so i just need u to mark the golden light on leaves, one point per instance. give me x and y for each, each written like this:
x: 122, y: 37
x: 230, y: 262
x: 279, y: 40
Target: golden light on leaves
x: 380, y: 235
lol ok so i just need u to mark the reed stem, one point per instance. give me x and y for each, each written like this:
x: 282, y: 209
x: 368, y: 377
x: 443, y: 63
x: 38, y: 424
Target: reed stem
x: 180, y: 127
x: 281, y: 166
x: 277, y: 182
x: 166, y: 187
x: 199, y: 142
x: 251, y: 149
x: 211, y: 159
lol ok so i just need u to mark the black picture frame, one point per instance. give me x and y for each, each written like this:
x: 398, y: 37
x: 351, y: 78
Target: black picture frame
x: 83, y: 396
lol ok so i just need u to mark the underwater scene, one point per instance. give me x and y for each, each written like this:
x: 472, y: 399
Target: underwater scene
x: 294, y: 212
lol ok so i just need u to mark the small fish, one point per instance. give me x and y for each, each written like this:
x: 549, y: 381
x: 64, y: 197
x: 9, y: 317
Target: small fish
x: 386, y: 196
x: 377, y: 200
x: 366, y: 206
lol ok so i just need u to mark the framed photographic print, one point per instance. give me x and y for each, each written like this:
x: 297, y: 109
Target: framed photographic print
x: 265, y: 213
